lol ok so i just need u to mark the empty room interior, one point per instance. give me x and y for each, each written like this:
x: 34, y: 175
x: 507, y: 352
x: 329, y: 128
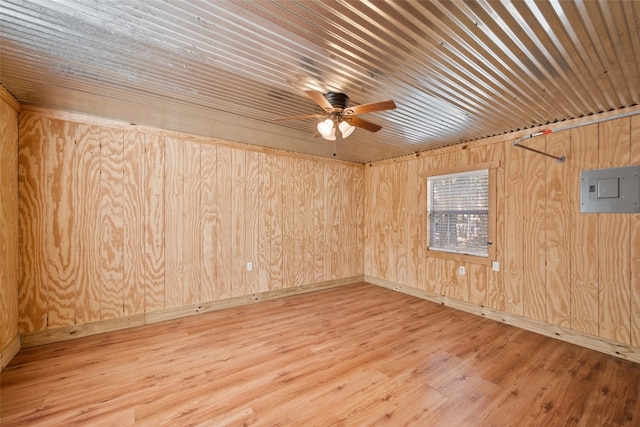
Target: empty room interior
x: 319, y: 213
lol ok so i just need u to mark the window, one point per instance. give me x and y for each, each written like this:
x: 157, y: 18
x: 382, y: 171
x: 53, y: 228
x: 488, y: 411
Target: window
x: 458, y: 210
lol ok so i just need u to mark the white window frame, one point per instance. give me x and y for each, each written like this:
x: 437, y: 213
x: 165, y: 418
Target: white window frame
x: 473, y: 258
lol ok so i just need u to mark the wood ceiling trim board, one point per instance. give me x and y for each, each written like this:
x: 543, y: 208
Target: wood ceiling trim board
x: 9, y: 99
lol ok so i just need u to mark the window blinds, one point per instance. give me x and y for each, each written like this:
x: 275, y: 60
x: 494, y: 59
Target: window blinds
x: 458, y: 208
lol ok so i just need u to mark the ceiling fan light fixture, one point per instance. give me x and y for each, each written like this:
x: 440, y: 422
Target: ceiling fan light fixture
x: 331, y: 136
x: 337, y: 114
x: 346, y: 129
x: 325, y: 127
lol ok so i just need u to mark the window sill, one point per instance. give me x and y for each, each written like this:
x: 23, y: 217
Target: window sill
x: 459, y: 257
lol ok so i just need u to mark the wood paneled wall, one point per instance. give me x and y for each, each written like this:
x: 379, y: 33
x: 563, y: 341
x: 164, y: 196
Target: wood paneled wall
x: 9, y: 341
x: 572, y: 270
x: 117, y: 221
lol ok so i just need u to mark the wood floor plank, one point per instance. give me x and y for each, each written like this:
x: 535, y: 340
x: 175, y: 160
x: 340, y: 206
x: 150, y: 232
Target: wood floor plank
x: 350, y: 356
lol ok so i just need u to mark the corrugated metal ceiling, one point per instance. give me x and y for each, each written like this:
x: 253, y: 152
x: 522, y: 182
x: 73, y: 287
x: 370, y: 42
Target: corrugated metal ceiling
x: 458, y: 71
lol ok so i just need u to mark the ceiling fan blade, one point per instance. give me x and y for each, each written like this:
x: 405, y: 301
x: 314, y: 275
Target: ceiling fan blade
x: 319, y: 99
x: 370, y: 108
x: 357, y: 122
x: 308, y: 116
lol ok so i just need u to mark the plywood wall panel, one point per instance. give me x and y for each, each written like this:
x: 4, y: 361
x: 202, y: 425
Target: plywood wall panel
x: 111, y: 270
x: 399, y: 223
x: 264, y: 249
x: 332, y: 218
x: 224, y: 222
x: 422, y: 261
x: 371, y: 235
x: 533, y: 236
x: 367, y: 207
x: 340, y: 252
x: 359, y: 221
x: 299, y: 179
x: 86, y: 214
x: 342, y: 232
x: 453, y: 159
x: 276, y: 265
x: 613, y: 242
x: 252, y: 223
x: 412, y: 233
x: 478, y: 154
x: 434, y: 275
x: 9, y: 228
x: 208, y: 198
x: 31, y: 193
x: 614, y: 298
x: 309, y: 240
x: 558, y: 232
x: 60, y: 263
x: 238, y: 223
x: 134, y: 223
x: 319, y: 207
x: 288, y: 222
x: 514, y: 214
x: 154, y: 219
x: 495, y: 279
x: 635, y: 242
x: 384, y: 250
x: 192, y: 224
x: 8, y: 225
x: 385, y: 253
x: 375, y: 227
x: 174, y: 220
x: 478, y: 283
x: 449, y: 271
x: 271, y: 244
x: 347, y: 234
x: 462, y: 281
x: 584, y: 235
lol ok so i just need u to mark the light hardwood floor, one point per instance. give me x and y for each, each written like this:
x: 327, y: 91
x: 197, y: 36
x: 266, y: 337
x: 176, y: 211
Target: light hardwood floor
x: 355, y: 355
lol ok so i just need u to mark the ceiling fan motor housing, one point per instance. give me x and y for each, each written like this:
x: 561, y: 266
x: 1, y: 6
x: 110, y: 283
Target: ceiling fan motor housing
x: 338, y: 100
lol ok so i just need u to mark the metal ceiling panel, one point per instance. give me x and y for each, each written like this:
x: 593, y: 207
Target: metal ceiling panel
x: 457, y: 70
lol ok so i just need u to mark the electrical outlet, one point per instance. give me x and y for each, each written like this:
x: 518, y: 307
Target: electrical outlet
x: 462, y: 271
x: 249, y: 266
x: 495, y: 265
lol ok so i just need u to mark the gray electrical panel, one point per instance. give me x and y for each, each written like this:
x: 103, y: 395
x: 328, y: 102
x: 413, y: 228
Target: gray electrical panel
x: 614, y: 190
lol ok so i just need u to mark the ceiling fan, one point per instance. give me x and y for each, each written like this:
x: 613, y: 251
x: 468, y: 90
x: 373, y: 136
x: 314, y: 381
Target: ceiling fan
x: 339, y: 115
